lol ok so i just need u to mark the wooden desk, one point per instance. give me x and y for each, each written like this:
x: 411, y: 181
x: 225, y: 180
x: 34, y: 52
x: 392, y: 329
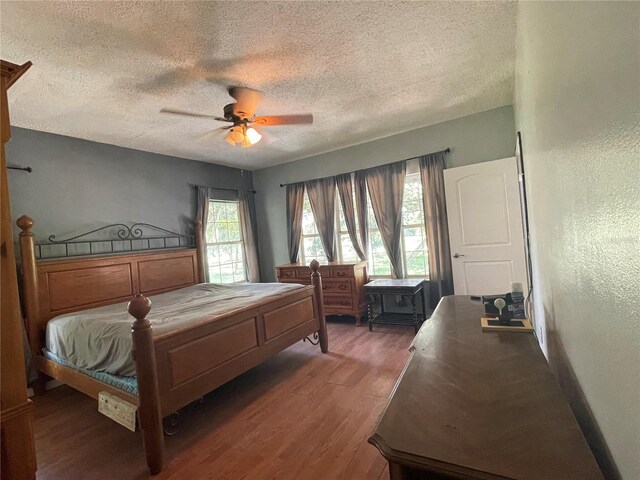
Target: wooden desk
x: 409, y: 288
x: 474, y: 405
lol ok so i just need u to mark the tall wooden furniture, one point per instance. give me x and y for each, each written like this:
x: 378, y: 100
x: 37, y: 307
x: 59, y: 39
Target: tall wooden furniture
x: 342, y: 284
x: 479, y: 405
x: 16, y: 437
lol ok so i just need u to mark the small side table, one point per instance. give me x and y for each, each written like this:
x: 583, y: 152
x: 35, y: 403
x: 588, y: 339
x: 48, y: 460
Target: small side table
x: 410, y: 288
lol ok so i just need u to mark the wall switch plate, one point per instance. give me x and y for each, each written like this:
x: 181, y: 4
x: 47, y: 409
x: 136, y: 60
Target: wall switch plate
x: 118, y: 410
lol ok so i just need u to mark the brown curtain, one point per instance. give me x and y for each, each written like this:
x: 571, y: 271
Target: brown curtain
x: 249, y: 235
x: 202, y: 213
x: 386, y: 188
x: 437, y: 230
x: 345, y: 189
x: 322, y: 197
x: 361, y: 208
x: 295, y: 197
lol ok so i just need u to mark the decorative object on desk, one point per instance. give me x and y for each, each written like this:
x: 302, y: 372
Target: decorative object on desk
x: 519, y: 325
x: 514, y: 302
x: 499, y: 303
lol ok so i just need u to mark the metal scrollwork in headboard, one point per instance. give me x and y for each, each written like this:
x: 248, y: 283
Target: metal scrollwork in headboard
x: 118, y: 238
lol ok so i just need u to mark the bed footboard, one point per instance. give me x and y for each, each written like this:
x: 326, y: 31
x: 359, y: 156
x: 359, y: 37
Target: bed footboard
x: 177, y: 368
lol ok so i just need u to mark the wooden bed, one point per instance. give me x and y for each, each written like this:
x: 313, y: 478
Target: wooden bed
x: 175, y: 368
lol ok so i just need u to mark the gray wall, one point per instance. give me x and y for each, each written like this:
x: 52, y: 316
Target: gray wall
x: 577, y: 104
x: 476, y: 138
x: 78, y: 185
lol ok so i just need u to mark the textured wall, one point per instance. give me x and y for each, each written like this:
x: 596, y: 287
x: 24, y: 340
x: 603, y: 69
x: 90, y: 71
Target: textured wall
x: 77, y: 185
x: 476, y: 138
x: 578, y: 107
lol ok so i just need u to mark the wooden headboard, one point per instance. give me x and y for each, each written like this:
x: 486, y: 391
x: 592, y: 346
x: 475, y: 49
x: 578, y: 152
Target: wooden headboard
x: 54, y: 287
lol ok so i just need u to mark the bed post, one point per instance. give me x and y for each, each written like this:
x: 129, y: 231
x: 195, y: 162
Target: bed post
x: 316, y: 281
x: 31, y: 295
x: 30, y: 282
x: 200, y: 251
x: 147, y: 375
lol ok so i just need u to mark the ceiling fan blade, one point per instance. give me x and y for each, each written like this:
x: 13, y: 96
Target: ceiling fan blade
x: 273, y: 120
x: 191, y: 114
x: 213, y: 133
x: 247, y: 100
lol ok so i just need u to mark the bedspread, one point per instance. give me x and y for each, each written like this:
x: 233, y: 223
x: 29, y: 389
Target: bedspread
x: 99, y: 339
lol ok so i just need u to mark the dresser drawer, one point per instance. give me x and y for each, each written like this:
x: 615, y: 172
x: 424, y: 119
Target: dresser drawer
x: 338, y: 301
x: 341, y: 272
x: 336, y: 285
x: 303, y: 281
x: 287, y: 273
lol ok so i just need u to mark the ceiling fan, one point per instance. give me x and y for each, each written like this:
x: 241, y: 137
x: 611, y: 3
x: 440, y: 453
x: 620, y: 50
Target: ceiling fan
x: 245, y: 126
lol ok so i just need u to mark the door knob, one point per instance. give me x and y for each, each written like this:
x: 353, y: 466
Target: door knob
x: 456, y: 255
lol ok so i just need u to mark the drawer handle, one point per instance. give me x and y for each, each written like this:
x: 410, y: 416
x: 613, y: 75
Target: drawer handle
x: 342, y: 286
x: 341, y: 274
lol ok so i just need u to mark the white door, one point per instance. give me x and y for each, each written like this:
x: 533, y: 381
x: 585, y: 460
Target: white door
x: 485, y: 227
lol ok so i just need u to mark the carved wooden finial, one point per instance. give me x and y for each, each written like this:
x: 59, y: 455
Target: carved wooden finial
x: 25, y: 223
x: 139, y: 307
x: 314, y: 265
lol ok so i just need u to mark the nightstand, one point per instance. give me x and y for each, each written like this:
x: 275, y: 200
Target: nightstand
x: 408, y: 288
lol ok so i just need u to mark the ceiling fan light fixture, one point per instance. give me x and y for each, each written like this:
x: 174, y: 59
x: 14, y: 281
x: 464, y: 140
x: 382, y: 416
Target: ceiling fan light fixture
x: 241, y: 114
x: 229, y: 138
x: 253, y: 136
x: 236, y: 134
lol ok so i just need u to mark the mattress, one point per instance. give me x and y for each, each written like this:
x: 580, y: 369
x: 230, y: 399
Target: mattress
x: 126, y: 384
x: 99, y: 339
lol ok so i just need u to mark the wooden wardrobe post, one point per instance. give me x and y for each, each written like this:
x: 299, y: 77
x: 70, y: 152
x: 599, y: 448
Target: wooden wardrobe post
x: 316, y: 281
x: 30, y: 281
x: 200, y: 251
x: 146, y: 372
x: 17, y: 451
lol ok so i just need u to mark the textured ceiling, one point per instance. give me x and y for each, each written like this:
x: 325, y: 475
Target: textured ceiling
x: 103, y: 70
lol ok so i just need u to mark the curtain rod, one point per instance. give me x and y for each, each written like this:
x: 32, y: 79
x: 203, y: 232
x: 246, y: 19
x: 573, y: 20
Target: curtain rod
x: 220, y: 188
x: 446, y: 150
x: 24, y: 169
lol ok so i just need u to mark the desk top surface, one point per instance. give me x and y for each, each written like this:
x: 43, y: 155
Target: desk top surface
x: 482, y: 404
x: 395, y: 283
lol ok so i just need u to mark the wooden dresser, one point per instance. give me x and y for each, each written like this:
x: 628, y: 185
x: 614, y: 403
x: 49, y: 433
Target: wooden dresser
x: 479, y: 405
x: 342, y: 285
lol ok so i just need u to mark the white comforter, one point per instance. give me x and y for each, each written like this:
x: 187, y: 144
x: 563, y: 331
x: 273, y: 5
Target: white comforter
x: 100, y: 338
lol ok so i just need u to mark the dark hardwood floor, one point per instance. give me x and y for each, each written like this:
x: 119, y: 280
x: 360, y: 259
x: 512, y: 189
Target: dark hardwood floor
x: 300, y: 415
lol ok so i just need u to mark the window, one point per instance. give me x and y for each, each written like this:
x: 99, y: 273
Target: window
x: 346, y: 252
x: 413, y: 241
x: 225, y: 248
x: 379, y: 263
x: 310, y: 244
